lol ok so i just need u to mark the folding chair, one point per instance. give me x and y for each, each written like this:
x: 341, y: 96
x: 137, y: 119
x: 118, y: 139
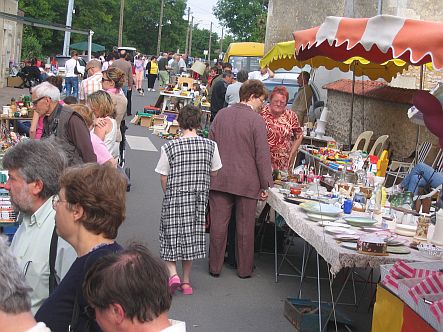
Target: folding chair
x: 399, y: 169
x: 364, y: 136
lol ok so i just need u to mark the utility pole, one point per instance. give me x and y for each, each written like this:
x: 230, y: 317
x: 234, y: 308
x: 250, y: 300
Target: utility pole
x: 221, y: 45
x: 67, y: 41
x: 210, y: 40
x: 190, y: 36
x: 187, y: 32
x: 159, y: 40
x: 120, y: 25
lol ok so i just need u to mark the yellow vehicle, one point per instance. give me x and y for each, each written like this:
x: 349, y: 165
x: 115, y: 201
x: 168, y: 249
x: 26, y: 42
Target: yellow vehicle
x: 245, y: 56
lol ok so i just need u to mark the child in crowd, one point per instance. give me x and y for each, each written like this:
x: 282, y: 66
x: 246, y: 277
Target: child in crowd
x: 185, y: 167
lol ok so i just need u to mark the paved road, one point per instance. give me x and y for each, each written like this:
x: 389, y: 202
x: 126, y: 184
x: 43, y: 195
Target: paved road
x: 224, y: 304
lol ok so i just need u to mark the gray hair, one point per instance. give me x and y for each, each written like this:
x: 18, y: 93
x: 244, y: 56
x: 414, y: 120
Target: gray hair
x: 242, y: 76
x: 46, y: 89
x: 38, y: 160
x: 14, y: 292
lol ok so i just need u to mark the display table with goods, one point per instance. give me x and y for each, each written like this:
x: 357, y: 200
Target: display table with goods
x: 349, y: 240
x: 16, y: 111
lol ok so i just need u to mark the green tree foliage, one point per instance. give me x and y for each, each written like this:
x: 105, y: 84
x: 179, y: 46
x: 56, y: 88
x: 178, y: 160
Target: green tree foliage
x: 200, y: 42
x: 246, y: 20
x: 140, y: 29
x: 31, y: 47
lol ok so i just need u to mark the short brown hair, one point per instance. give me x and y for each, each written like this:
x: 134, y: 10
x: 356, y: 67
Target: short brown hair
x: 252, y: 88
x: 133, y: 278
x: 101, y: 102
x: 101, y: 191
x: 190, y: 117
x: 85, y: 113
x: 74, y: 53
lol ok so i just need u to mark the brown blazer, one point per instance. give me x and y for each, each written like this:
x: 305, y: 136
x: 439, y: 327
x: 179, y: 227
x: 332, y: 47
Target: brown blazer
x: 242, y: 141
x: 126, y: 67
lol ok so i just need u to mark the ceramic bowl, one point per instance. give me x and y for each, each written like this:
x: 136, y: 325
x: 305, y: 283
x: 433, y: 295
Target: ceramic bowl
x: 430, y: 251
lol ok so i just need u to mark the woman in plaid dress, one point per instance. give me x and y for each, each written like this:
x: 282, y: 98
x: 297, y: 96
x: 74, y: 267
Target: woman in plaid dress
x: 185, y: 167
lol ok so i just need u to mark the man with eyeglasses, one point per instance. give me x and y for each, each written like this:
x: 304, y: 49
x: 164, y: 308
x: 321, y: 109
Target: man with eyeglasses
x: 34, y: 168
x: 94, y: 81
x: 63, y: 125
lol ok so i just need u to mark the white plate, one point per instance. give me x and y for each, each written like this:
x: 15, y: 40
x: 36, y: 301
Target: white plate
x: 347, y: 237
x: 405, y: 230
x: 349, y: 245
x: 339, y: 230
x: 319, y: 217
x: 321, y: 208
x: 332, y: 223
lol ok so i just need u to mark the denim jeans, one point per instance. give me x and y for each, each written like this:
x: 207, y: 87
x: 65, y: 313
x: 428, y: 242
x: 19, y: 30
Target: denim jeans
x: 71, y: 84
x: 421, y: 175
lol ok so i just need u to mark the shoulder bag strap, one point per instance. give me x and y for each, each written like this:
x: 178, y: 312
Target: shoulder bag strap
x: 52, y: 257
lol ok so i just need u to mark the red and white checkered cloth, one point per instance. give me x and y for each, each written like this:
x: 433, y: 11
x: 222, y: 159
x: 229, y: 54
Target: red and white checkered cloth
x: 437, y: 309
x: 430, y: 285
x: 401, y: 270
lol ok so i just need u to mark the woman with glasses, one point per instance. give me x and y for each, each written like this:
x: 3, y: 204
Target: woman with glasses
x: 240, y: 134
x: 89, y: 209
x: 112, y: 82
x: 284, y: 131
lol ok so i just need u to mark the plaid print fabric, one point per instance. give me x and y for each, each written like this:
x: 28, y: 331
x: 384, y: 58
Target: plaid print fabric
x: 182, y: 224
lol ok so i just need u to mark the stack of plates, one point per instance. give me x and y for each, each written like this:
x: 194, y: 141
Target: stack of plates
x: 319, y: 217
x: 339, y: 230
x: 360, y: 221
x: 321, y: 208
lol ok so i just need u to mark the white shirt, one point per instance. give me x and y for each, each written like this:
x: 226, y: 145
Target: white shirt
x: 257, y: 75
x: 69, y: 67
x: 170, y: 61
x: 40, y: 327
x: 176, y: 326
x: 31, y: 245
x: 163, y: 163
x: 182, y: 63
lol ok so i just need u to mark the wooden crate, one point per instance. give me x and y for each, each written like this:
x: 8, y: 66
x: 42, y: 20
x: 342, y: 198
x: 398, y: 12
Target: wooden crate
x: 146, y: 121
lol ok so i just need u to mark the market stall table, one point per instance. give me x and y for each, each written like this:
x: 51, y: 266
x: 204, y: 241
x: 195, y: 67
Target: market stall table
x: 14, y: 119
x: 336, y: 256
x: 317, y: 141
x: 167, y: 98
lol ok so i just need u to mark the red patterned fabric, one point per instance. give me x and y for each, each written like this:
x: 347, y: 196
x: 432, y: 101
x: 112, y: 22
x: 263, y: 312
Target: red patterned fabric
x: 281, y: 133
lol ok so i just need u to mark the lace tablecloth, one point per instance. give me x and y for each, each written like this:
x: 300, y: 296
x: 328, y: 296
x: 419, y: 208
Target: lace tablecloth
x: 331, y: 251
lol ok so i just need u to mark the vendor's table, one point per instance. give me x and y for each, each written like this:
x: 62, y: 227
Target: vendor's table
x: 167, y: 99
x: 7, y: 120
x: 393, y: 315
x: 326, y: 246
x: 338, y: 257
x: 317, y: 141
x: 318, y: 163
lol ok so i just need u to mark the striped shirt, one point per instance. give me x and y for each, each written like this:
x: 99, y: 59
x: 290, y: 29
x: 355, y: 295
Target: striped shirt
x: 90, y: 85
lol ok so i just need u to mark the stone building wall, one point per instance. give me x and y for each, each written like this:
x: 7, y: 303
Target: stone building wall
x: 10, y: 39
x: 382, y: 117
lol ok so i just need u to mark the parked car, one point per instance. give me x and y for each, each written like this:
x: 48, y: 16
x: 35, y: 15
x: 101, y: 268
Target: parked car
x: 292, y: 86
x: 61, y: 61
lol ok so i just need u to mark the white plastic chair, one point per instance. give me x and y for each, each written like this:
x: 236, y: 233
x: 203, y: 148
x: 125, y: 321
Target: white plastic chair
x: 364, y: 136
x: 379, y: 145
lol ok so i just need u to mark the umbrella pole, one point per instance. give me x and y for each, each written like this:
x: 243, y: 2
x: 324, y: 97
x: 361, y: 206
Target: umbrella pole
x: 417, y: 138
x: 352, y: 104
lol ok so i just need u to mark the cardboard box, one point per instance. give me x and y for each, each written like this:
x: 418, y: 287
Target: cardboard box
x: 14, y: 81
x: 158, y: 120
x: 146, y: 121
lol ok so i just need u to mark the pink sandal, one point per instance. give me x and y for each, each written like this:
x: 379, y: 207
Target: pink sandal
x: 174, y: 283
x: 187, y: 290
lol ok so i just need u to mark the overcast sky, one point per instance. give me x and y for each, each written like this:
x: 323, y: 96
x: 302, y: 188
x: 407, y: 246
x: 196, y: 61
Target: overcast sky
x: 202, y: 12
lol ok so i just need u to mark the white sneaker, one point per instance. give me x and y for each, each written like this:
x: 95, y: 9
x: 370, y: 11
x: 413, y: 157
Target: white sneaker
x: 149, y: 89
x: 153, y: 90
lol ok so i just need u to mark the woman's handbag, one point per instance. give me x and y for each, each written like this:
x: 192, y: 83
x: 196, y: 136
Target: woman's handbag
x: 76, y: 72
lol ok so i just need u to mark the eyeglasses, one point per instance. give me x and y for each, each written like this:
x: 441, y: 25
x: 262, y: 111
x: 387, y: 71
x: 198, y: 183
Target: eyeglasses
x: 56, y: 200
x: 90, y: 312
x: 37, y: 100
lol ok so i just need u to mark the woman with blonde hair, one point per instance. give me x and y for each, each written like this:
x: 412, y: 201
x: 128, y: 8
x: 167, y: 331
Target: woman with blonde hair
x: 100, y: 149
x: 112, y: 82
x: 105, y: 126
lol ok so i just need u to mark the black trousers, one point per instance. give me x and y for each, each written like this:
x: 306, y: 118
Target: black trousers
x: 151, y: 80
x: 129, y: 106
